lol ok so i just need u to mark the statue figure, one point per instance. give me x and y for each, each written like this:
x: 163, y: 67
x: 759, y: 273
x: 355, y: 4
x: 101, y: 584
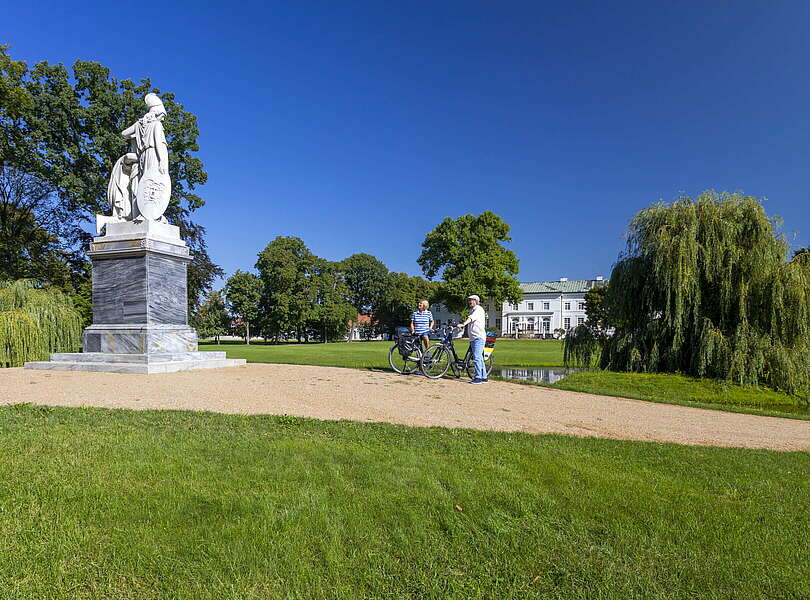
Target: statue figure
x: 139, y: 187
x: 123, y: 186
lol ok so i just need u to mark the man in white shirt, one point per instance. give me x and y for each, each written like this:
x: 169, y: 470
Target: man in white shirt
x: 478, y: 335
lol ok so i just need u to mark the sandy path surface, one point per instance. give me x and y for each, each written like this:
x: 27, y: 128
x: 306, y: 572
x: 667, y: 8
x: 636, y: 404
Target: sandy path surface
x: 335, y: 393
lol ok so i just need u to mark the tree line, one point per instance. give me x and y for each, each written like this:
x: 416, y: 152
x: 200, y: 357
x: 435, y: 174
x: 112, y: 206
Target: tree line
x: 294, y: 294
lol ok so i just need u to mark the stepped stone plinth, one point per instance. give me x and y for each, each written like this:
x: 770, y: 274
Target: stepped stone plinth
x: 140, y: 308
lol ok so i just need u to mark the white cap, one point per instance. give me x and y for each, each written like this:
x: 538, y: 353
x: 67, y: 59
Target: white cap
x: 474, y: 297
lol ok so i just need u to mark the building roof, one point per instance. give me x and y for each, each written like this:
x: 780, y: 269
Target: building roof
x: 561, y: 287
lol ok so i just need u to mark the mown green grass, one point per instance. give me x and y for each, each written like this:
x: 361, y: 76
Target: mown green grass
x: 124, y: 504
x: 374, y: 355
x: 679, y: 389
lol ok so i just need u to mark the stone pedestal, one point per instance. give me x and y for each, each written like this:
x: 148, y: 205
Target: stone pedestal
x: 140, y: 308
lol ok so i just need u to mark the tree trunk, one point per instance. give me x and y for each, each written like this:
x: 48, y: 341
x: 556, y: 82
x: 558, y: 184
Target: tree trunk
x: 247, y: 332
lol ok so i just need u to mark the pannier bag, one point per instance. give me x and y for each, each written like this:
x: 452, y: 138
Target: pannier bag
x: 489, y: 345
x: 406, y: 341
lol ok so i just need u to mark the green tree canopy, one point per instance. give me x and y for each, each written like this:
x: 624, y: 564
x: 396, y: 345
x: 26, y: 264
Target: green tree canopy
x: 331, y: 308
x: 582, y: 344
x: 63, y: 128
x: 469, y: 254
x: 365, y: 277
x: 34, y: 322
x: 243, y: 294
x: 595, y: 307
x: 402, y: 293
x: 705, y: 287
x: 285, y: 268
x: 13, y: 99
x: 30, y: 247
x: 211, y: 320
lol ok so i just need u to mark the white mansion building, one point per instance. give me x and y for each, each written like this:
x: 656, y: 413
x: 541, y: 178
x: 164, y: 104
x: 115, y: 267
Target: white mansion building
x: 546, y: 306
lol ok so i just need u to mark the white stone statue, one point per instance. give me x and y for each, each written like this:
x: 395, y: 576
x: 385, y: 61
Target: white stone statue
x: 123, y: 186
x: 140, y: 187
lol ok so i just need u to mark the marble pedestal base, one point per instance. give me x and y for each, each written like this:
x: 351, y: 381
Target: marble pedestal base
x: 140, y: 310
x: 136, y: 363
x: 140, y: 338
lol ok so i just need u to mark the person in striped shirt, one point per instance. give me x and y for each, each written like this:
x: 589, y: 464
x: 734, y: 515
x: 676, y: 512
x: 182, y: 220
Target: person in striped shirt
x: 422, y: 322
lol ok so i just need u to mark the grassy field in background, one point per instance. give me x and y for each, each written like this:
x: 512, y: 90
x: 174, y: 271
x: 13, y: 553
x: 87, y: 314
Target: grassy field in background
x: 374, y: 355
x: 158, y: 504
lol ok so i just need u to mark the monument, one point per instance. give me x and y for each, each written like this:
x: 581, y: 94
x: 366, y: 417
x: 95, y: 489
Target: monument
x: 140, y: 307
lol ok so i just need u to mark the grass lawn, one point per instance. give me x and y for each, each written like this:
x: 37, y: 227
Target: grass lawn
x: 126, y: 504
x: 374, y: 355
x: 678, y: 389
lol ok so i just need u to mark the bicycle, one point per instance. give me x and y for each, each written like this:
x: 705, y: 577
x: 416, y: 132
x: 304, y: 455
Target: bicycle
x: 406, y: 354
x: 442, y: 356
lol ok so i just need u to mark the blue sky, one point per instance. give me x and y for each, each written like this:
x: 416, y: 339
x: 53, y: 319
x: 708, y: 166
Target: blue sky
x: 360, y: 126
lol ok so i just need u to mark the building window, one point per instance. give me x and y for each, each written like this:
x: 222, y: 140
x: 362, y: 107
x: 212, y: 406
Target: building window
x: 545, y: 306
x: 567, y: 306
x: 514, y: 307
x: 531, y: 305
x: 580, y: 320
x: 530, y: 325
x: 567, y: 323
x: 581, y: 306
x: 546, y: 325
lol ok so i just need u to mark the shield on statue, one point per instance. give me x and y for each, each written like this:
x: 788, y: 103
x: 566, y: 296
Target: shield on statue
x: 154, y: 191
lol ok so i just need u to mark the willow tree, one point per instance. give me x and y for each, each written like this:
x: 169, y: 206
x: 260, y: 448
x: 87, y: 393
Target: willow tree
x: 35, y: 322
x: 705, y: 287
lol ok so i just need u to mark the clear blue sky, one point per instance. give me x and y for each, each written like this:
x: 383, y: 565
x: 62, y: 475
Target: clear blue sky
x: 359, y: 126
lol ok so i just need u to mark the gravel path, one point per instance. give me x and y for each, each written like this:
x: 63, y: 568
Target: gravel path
x: 335, y: 393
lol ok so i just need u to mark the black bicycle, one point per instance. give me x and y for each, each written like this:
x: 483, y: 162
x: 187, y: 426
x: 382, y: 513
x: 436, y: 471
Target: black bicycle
x: 405, y: 356
x: 442, y: 356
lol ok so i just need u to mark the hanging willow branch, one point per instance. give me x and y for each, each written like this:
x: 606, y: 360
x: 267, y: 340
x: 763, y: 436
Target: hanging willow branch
x: 34, y: 323
x: 705, y: 288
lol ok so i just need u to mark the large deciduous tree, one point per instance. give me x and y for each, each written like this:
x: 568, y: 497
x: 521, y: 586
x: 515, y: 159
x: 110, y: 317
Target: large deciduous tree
x: 62, y: 127
x: 243, y: 294
x: 211, y: 319
x: 582, y: 344
x: 705, y: 287
x: 331, y: 306
x: 285, y: 268
x: 30, y: 245
x: 470, y: 256
x: 34, y: 322
x: 365, y: 276
x: 399, y: 301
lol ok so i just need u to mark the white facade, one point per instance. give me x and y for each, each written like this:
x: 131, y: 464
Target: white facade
x: 546, y: 306
x: 442, y: 316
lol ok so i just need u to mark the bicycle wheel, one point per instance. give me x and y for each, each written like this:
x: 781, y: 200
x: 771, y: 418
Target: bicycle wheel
x: 404, y: 364
x: 471, y: 366
x: 435, y: 362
